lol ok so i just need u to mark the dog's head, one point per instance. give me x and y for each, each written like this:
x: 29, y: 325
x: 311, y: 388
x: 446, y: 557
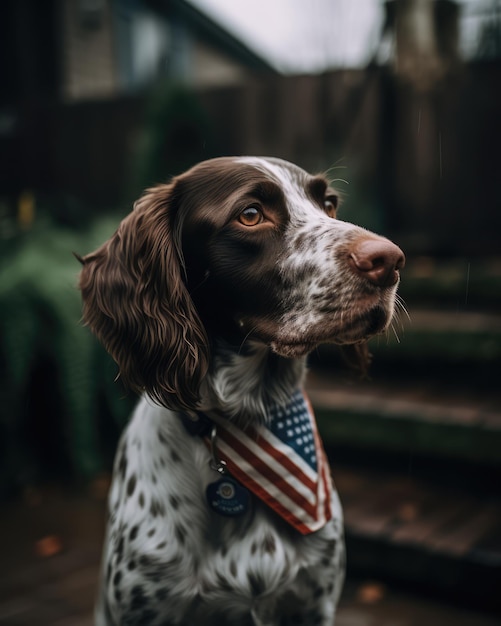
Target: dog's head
x: 235, y: 248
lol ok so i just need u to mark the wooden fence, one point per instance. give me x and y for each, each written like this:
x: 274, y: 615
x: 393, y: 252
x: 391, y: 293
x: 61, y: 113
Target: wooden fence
x: 424, y: 167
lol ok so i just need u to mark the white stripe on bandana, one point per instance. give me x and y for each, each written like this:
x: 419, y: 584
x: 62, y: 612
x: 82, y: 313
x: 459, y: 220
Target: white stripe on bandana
x: 283, y: 463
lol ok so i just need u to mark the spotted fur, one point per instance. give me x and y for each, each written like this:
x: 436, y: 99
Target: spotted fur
x: 205, y: 309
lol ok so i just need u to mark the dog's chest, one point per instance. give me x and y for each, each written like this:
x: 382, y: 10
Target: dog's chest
x: 170, y: 554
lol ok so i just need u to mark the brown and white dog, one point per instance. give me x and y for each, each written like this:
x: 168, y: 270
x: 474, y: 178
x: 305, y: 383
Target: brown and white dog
x: 209, y: 296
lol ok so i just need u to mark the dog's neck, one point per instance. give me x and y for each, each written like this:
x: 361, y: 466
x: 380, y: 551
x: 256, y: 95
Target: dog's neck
x: 243, y: 382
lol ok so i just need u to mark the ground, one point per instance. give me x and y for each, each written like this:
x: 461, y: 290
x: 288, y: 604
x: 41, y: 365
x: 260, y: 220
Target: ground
x: 50, y: 542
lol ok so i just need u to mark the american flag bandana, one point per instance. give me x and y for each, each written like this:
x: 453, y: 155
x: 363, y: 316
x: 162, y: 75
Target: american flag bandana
x: 283, y: 463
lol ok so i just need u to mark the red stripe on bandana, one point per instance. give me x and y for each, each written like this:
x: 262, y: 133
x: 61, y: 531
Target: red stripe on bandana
x: 283, y: 463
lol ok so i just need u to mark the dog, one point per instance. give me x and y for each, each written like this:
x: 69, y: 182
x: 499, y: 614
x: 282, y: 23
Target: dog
x: 209, y: 297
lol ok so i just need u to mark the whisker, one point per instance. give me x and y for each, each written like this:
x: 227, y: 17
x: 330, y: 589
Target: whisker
x: 397, y: 318
x: 335, y: 166
x: 245, y: 338
x: 400, y: 304
x: 395, y: 333
x: 398, y: 321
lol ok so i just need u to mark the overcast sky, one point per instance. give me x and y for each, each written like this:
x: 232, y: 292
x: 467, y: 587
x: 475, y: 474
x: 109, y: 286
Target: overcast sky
x: 301, y: 34
x: 313, y: 35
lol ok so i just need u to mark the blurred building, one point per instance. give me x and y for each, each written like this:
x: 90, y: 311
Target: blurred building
x: 94, y: 49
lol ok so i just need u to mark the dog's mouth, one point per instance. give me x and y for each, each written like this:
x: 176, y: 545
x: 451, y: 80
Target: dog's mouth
x: 360, y: 329
x: 377, y: 321
x: 365, y: 326
x: 293, y: 350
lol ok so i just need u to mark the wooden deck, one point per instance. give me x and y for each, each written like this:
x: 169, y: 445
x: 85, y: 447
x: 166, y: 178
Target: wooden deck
x: 50, y: 543
x: 424, y: 534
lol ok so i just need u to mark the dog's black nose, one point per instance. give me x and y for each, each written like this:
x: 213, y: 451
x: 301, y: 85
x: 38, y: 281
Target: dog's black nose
x: 378, y: 260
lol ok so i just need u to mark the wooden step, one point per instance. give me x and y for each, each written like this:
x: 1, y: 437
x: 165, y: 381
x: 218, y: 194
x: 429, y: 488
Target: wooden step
x: 420, y: 419
x: 411, y: 531
x: 454, y: 334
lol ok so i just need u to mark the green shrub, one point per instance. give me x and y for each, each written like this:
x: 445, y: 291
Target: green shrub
x: 57, y: 389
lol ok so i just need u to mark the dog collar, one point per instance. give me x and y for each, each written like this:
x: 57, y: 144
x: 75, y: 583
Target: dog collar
x: 282, y: 463
x: 201, y: 427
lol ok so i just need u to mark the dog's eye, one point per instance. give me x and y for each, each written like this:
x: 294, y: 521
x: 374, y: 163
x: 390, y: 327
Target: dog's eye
x: 251, y: 216
x: 330, y: 206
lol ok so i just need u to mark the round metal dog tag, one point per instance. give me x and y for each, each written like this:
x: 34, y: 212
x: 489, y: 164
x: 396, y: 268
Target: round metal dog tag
x: 227, y: 497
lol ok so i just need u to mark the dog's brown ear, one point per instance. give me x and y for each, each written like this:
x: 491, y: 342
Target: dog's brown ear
x: 136, y: 302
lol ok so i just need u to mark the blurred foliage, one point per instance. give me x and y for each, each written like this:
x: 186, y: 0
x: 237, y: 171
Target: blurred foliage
x: 57, y: 381
x: 58, y: 388
x: 176, y: 135
x: 489, y: 41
